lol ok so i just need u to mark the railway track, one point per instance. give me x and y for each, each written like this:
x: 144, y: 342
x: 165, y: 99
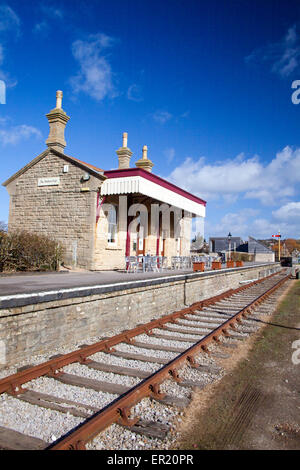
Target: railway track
x: 103, y: 384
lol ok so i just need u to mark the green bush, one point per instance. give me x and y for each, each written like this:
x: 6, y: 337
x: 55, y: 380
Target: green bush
x: 23, y: 251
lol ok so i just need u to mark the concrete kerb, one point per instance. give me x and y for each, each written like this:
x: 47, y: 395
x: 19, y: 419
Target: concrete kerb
x: 21, y: 300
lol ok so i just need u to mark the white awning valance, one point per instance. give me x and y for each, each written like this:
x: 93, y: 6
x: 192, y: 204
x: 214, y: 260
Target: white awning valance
x: 140, y: 185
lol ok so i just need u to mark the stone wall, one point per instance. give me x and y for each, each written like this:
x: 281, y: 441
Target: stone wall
x: 66, y: 212
x: 38, y: 327
x: 264, y: 257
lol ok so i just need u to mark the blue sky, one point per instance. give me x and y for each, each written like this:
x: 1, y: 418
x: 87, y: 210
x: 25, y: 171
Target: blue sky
x: 206, y: 85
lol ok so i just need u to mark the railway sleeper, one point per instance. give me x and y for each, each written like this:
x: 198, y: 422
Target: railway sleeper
x: 14, y: 440
x: 147, y: 428
x: 113, y: 388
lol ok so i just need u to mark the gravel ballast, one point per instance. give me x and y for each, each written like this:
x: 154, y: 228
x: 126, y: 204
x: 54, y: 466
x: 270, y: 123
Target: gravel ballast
x: 50, y: 425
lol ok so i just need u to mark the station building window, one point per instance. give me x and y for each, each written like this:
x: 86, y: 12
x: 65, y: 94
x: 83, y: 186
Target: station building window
x: 112, y: 224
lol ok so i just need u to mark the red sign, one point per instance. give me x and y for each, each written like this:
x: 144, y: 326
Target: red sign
x: 276, y: 236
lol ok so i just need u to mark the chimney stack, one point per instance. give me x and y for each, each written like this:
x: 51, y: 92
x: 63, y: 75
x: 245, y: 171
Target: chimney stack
x: 57, y: 121
x: 144, y: 162
x: 124, y: 153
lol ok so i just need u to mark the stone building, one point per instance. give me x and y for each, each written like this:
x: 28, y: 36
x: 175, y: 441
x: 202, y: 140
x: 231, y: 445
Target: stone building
x: 100, y: 216
x: 260, y: 251
x: 218, y: 244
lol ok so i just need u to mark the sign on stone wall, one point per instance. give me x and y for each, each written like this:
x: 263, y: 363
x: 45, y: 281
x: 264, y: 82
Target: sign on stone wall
x: 48, y: 181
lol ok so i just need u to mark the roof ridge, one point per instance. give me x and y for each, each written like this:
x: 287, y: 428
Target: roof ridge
x: 97, y: 171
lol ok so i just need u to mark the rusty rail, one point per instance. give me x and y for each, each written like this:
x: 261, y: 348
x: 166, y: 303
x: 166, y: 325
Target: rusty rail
x: 13, y: 383
x: 119, y: 410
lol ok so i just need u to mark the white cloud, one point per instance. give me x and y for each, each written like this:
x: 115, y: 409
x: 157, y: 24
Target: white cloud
x: 244, y: 223
x: 134, y: 93
x: 4, y: 120
x: 247, y: 222
x: 14, y: 135
x: 9, y: 25
x: 162, y: 116
x: 248, y: 178
x: 290, y: 212
x: 275, y: 184
x: 266, y: 227
x: 263, y: 228
x: 169, y: 154
x: 41, y: 27
x: 238, y: 223
x: 52, y: 12
x: 283, y: 57
x: 9, y: 20
x: 9, y: 82
x: 95, y: 77
x: 1, y: 54
x: 185, y: 114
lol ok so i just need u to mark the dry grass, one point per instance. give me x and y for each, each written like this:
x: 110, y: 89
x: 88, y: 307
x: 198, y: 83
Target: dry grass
x: 216, y: 419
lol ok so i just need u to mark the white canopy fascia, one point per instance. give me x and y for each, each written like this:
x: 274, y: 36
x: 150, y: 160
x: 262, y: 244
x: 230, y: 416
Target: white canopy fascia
x: 137, y: 184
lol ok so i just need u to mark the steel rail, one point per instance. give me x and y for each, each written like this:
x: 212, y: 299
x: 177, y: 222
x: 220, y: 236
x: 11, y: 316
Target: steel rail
x: 118, y: 411
x: 13, y: 383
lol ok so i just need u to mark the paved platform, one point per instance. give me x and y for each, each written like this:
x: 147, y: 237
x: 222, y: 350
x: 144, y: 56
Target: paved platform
x: 44, y: 282
x: 22, y: 284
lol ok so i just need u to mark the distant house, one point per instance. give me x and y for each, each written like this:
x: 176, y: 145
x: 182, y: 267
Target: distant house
x: 259, y: 249
x: 218, y: 244
x: 252, y: 246
x: 197, y: 248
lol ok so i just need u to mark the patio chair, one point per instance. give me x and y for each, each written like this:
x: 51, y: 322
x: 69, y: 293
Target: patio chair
x: 175, y: 262
x: 141, y: 263
x: 131, y: 264
x: 163, y: 263
x: 147, y: 263
x: 154, y: 263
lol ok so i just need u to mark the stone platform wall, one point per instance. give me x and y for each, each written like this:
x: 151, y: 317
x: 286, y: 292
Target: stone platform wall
x: 39, y: 323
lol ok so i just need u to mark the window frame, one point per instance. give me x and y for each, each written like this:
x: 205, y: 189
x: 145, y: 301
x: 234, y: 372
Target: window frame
x: 114, y: 224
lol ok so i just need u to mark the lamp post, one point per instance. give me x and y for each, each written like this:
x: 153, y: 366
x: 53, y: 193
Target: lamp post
x: 229, y: 245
